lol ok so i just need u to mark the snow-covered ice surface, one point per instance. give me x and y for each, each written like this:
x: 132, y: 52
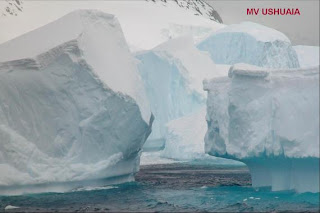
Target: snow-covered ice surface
x: 268, y: 119
x: 72, y: 104
x: 145, y: 24
x: 172, y: 74
x: 250, y: 43
x: 308, y: 55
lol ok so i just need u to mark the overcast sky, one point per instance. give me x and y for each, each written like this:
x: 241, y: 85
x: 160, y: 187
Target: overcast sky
x: 303, y: 29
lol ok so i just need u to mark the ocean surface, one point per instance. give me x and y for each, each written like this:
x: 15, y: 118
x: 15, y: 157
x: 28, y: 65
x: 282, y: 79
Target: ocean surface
x: 178, y: 187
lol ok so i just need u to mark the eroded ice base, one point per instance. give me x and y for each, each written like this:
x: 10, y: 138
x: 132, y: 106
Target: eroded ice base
x: 299, y: 174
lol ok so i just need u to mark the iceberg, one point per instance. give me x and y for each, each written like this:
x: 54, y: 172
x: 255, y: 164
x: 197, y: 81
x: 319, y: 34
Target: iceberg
x: 185, y: 140
x: 185, y: 137
x: 268, y: 119
x: 72, y: 105
x: 250, y: 43
x: 172, y: 74
x: 308, y: 55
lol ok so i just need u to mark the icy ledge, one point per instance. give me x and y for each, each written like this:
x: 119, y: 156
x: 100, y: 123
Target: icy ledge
x: 72, y: 106
x: 267, y: 119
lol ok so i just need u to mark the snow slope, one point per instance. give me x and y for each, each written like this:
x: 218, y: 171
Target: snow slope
x: 172, y: 74
x: 308, y: 55
x: 250, y: 43
x: 72, y: 104
x: 145, y: 24
x: 266, y: 119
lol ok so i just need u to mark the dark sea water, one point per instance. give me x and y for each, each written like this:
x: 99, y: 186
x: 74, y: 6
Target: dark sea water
x: 174, y: 188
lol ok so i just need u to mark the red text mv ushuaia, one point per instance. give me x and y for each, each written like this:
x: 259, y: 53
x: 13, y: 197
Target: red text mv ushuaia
x: 273, y: 11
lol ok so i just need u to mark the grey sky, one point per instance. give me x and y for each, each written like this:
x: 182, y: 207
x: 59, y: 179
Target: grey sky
x: 303, y: 29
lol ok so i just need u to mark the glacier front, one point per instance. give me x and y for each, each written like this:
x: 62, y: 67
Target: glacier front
x: 268, y: 119
x: 72, y: 105
x: 250, y: 43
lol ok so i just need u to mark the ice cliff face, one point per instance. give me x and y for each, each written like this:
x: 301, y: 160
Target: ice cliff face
x: 172, y: 74
x: 72, y: 104
x: 250, y: 43
x: 267, y: 119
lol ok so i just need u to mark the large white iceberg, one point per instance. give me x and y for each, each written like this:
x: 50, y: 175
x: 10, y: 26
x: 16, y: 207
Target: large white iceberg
x: 268, y: 119
x: 250, y: 43
x: 172, y: 74
x: 72, y: 104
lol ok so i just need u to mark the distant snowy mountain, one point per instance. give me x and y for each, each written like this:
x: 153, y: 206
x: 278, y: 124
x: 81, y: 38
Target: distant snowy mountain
x: 10, y: 7
x: 199, y: 7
